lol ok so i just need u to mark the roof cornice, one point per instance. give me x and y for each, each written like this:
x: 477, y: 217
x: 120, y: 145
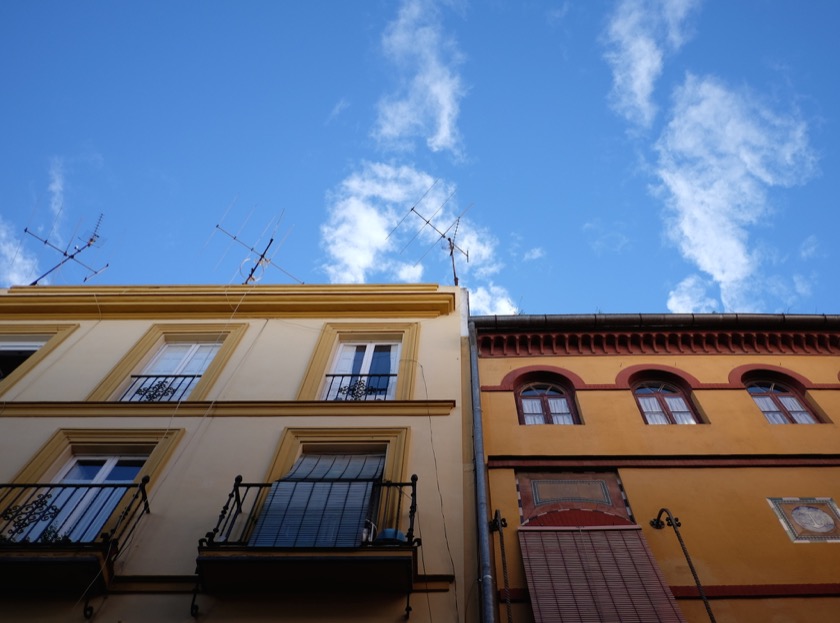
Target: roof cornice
x: 208, y: 301
x: 676, y: 334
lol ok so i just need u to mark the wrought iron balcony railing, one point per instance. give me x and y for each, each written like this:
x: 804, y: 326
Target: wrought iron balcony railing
x: 360, y: 386
x: 46, y: 515
x: 159, y: 388
x: 387, y: 515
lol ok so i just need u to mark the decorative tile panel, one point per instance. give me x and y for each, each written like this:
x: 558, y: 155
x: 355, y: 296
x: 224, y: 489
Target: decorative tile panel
x: 808, y: 519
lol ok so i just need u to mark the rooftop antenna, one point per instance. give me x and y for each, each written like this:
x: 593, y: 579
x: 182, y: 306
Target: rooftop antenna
x: 68, y: 255
x: 444, y: 235
x: 263, y: 259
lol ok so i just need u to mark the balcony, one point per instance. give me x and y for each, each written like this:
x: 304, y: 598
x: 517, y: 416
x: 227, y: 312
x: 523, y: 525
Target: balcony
x: 159, y: 388
x: 64, y: 538
x: 360, y: 386
x: 266, y: 541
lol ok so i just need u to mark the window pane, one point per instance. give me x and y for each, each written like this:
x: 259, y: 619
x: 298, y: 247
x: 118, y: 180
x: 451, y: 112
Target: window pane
x: 652, y: 410
x: 169, y: 359
x: 199, y: 360
x: 84, y: 470
x: 769, y: 409
x: 125, y: 470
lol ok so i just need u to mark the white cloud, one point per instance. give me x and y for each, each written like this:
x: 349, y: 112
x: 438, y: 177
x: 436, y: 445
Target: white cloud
x: 639, y: 35
x: 370, y: 226
x: 491, y: 300
x: 718, y: 156
x: 690, y: 297
x: 363, y: 211
x: 17, y: 267
x: 427, y: 102
x: 56, y: 191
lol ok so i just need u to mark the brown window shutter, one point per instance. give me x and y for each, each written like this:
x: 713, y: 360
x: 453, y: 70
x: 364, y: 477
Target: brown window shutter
x: 602, y: 575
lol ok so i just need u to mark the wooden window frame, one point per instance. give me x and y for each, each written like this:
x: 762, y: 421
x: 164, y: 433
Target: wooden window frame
x: 659, y: 395
x: 780, y: 407
x: 566, y: 393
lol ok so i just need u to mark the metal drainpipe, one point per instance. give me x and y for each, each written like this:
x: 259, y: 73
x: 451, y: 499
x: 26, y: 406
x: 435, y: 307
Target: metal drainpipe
x: 488, y: 583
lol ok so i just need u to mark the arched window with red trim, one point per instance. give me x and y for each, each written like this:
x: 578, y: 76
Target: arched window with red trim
x: 664, y: 403
x: 780, y: 404
x: 545, y: 403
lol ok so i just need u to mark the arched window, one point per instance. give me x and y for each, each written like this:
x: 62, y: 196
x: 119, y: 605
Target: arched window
x: 545, y: 403
x: 780, y: 404
x: 663, y: 403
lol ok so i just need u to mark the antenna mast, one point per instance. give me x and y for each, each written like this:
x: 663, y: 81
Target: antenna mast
x: 91, y: 240
x: 263, y: 259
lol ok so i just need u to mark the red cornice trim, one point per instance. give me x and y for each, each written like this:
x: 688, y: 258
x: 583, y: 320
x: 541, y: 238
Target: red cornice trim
x: 518, y: 343
x: 532, y: 463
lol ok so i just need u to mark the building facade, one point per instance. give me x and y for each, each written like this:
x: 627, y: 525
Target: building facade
x: 232, y: 453
x: 628, y: 455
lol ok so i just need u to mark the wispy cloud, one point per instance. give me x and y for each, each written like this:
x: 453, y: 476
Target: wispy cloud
x: 427, y: 102
x: 606, y: 238
x: 533, y: 254
x: 56, y: 192
x: 639, y: 35
x: 719, y: 154
x: 17, y: 267
x: 809, y: 248
x: 340, y: 106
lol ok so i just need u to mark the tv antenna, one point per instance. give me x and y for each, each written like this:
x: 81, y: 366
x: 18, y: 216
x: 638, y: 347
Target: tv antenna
x: 444, y: 235
x: 68, y: 255
x: 257, y: 266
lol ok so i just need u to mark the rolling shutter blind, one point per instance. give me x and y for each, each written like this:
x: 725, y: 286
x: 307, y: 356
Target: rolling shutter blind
x: 322, y: 502
x: 595, y: 575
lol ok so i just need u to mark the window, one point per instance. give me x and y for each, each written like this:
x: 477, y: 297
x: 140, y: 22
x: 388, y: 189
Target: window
x: 171, y: 363
x: 172, y: 374
x: 362, y: 361
x: 545, y: 403
x: 363, y: 371
x: 662, y: 403
x: 93, y: 478
x: 75, y: 509
x: 326, y: 500
x: 14, y: 350
x: 23, y: 346
x: 779, y: 404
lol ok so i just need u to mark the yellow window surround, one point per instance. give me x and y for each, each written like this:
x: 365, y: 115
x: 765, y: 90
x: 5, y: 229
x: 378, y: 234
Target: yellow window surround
x: 228, y: 335
x: 333, y: 334
x: 157, y: 444
x: 57, y: 334
x: 394, y: 442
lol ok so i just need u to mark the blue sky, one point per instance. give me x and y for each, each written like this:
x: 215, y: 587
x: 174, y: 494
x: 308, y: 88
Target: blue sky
x: 629, y: 156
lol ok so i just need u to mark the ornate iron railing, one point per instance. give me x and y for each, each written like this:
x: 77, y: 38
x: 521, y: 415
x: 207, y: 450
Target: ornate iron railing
x: 159, y: 387
x: 44, y: 515
x: 360, y: 386
x: 389, y: 520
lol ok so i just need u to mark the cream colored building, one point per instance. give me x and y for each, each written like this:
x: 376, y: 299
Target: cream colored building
x: 238, y: 453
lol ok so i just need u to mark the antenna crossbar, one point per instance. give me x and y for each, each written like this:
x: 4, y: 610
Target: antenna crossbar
x: 67, y: 256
